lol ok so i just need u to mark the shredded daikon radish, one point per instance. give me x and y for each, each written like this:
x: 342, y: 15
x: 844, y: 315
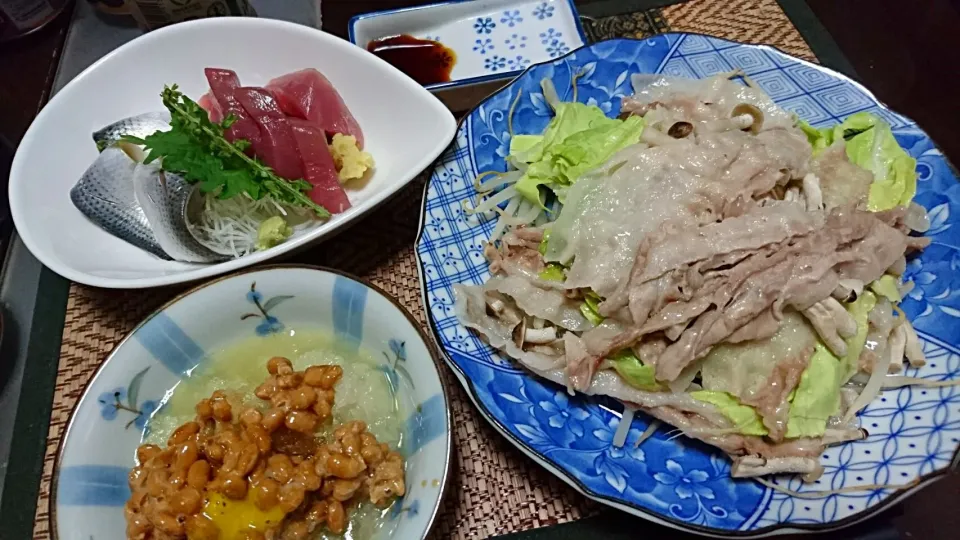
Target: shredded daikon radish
x: 623, y: 428
x: 231, y: 225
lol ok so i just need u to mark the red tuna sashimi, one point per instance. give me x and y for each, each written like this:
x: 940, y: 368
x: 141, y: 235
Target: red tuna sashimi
x: 318, y: 166
x: 209, y: 103
x: 277, y: 147
x: 309, y: 95
x: 223, y: 82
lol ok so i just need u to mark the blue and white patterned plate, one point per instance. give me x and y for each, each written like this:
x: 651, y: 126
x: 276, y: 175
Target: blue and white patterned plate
x: 492, y: 39
x: 914, y: 433
x: 98, y: 449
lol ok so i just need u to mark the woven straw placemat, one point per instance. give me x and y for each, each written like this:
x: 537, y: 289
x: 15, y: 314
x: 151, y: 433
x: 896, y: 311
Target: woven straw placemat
x: 494, y: 489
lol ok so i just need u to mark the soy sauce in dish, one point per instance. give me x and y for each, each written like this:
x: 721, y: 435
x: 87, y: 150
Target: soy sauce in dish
x: 424, y: 60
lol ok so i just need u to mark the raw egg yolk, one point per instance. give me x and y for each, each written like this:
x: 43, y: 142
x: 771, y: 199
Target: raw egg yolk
x: 234, y: 517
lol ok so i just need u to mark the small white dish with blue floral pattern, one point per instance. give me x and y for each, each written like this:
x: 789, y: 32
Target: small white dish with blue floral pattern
x: 90, y: 478
x: 494, y: 40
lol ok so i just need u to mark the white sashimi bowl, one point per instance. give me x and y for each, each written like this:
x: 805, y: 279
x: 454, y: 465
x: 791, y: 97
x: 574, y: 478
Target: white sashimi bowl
x: 404, y: 126
x: 99, y: 446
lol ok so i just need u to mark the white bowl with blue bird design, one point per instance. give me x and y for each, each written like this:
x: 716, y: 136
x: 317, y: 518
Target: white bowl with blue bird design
x: 132, y: 390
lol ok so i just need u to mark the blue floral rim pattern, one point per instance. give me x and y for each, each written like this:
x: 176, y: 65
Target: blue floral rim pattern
x: 915, y: 432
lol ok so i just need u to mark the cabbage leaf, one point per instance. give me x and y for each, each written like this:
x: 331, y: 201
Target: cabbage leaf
x: 744, y: 417
x: 817, y: 397
x: 579, y: 138
x: 871, y: 145
x: 633, y: 372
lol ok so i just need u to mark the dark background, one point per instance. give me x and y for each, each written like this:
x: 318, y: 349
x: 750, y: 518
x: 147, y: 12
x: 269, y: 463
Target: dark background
x: 907, y: 52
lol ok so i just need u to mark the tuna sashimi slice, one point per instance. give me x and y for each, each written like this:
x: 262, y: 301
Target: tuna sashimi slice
x: 277, y: 146
x: 309, y: 95
x: 318, y: 166
x: 223, y: 82
x: 209, y: 103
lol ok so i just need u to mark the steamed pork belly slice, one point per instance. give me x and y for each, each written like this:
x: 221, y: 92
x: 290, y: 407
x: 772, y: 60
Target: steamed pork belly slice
x: 797, y: 274
x: 695, y: 418
x: 875, y: 253
x: 767, y: 225
x: 763, y: 327
x: 702, y: 100
x: 318, y: 167
x: 550, y: 304
x: 771, y: 400
x: 695, y: 425
x: 728, y: 171
x: 307, y: 94
x: 763, y: 162
x: 791, y: 283
x: 833, y: 323
x: 223, y: 84
x: 523, y: 236
x: 716, y: 287
x: 841, y: 182
x: 474, y: 311
x: 605, y: 218
x: 472, y: 307
x: 787, y: 148
x: 518, y: 254
x: 580, y: 367
x: 580, y: 353
x: 277, y: 146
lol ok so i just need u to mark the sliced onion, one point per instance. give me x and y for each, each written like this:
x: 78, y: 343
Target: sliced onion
x: 905, y: 288
x: 647, y: 433
x: 881, y: 316
x: 916, y: 218
x: 872, y: 389
x: 898, y: 267
x: 620, y: 437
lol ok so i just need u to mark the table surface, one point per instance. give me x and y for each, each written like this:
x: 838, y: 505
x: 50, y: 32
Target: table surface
x: 899, y: 50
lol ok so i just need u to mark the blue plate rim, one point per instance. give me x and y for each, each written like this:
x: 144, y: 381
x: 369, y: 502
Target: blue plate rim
x: 429, y: 341
x: 895, y: 497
